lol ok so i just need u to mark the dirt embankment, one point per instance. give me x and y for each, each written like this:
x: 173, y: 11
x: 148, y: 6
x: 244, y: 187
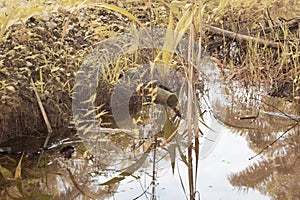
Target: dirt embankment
x: 48, y: 48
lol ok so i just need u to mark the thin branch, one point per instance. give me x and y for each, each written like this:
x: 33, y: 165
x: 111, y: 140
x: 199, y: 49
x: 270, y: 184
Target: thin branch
x: 290, y: 24
x: 241, y: 37
x: 142, y: 193
x: 283, y: 113
x: 269, y: 145
x: 50, y: 131
x: 77, y: 186
x: 153, y: 168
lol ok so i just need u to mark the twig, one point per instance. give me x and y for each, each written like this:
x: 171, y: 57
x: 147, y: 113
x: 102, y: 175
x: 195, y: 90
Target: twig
x: 283, y: 113
x: 77, y: 185
x: 291, y: 24
x: 153, y: 168
x: 50, y: 131
x: 142, y: 193
x: 241, y: 37
x: 182, y: 184
x: 117, y: 130
x: 278, y: 138
x: 269, y: 145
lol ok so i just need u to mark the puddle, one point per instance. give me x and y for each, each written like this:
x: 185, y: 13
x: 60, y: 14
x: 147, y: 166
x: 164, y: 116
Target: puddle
x: 229, y: 156
x: 251, y: 152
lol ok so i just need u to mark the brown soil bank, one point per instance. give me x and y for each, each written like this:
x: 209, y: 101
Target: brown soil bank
x: 34, y: 49
x: 48, y: 48
x: 251, y: 38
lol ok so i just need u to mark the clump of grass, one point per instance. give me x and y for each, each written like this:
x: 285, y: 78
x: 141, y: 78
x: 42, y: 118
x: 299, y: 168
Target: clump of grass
x: 250, y: 61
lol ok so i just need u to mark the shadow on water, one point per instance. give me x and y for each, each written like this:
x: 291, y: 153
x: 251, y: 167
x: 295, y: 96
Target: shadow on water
x: 244, y: 124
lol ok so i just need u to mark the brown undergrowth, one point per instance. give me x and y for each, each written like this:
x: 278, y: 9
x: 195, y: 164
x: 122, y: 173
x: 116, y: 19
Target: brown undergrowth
x: 35, y: 48
x: 258, y: 41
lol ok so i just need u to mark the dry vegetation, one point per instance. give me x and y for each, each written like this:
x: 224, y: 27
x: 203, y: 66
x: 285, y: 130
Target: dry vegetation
x: 257, y: 41
x: 48, y: 40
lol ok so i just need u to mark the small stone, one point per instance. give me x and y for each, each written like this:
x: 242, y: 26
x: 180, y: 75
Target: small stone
x: 51, y: 25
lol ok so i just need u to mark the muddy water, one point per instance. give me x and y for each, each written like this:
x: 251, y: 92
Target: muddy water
x: 251, y: 152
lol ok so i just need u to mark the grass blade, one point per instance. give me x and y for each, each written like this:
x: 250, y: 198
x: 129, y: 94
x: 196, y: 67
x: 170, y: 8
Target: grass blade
x: 122, y: 11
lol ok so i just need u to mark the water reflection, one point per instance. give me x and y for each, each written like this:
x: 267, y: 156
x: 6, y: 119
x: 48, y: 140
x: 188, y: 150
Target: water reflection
x: 54, y: 177
x: 243, y: 124
x: 270, y: 127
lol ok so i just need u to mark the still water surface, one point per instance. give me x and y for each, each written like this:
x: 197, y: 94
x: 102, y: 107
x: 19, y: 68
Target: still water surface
x: 224, y: 172
x: 244, y: 123
x: 230, y: 155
